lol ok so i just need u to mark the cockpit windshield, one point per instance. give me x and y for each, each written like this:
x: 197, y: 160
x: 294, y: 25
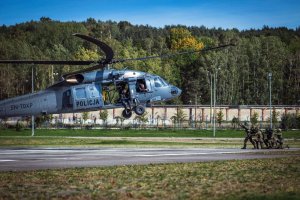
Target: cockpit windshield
x: 159, y: 82
x: 164, y: 82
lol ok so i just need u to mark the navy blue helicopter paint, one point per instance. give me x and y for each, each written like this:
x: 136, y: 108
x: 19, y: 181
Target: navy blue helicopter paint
x: 94, y: 88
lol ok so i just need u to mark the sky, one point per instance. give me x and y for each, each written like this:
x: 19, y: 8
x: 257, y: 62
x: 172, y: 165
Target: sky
x: 240, y: 14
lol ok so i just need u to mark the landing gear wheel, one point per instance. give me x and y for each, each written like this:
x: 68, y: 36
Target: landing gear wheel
x: 139, y: 109
x: 127, y: 113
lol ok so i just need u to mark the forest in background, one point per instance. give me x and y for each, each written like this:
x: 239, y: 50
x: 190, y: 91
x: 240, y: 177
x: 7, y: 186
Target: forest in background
x: 242, y: 70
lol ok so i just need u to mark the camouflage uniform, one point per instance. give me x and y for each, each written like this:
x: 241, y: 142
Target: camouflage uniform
x: 247, y: 137
x: 258, y: 138
x: 265, y: 136
x: 253, y: 136
x: 278, y: 138
x: 268, y: 138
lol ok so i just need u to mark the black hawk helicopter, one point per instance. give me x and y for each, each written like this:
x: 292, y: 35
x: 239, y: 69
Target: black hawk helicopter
x: 94, y: 88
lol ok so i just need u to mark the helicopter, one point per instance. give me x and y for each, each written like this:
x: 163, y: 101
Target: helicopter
x: 96, y: 87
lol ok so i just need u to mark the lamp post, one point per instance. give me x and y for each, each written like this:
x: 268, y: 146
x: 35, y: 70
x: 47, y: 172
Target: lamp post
x: 211, y: 96
x: 196, y: 104
x: 32, y: 91
x: 210, y: 74
x: 214, y: 120
x: 195, y: 118
x: 215, y: 91
x: 270, y: 92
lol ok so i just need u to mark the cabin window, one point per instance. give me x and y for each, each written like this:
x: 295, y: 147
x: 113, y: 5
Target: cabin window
x: 92, y: 92
x: 67, y: 99
x: 68, y: 93
x: 80, y: 93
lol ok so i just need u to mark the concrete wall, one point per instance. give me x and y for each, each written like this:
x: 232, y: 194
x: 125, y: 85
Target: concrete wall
x: 199, y: 113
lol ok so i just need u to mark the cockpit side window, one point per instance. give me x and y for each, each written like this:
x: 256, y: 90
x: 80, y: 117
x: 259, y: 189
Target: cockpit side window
x: 141, y: 85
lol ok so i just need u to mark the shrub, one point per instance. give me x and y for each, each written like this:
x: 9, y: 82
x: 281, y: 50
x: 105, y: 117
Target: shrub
x: 254, y: 119
x: 235, y: 122
x: 85, y: 116
x: 220, y: 116
x: 290, y: 121
x: 103, y: 114
x: 19, y: 126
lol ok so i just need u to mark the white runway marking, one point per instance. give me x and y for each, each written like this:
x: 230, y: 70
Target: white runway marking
x: 179, y: 154
x: 7, y: 160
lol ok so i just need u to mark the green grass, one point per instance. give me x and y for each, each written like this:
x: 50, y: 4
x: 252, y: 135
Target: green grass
x: 17, y: 141
x: 63, y: 137
x: 137, y: 133
x: 26, y: 141
x: 50, y: 141
x: 243, y: 179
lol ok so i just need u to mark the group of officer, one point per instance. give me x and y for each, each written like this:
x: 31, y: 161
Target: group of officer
x: 263, y: 139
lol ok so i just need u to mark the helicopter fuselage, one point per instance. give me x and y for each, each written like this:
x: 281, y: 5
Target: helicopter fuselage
x: 91, y: 91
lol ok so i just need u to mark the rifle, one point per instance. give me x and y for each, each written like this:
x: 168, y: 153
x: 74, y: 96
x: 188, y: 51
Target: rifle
x: 246, y: 129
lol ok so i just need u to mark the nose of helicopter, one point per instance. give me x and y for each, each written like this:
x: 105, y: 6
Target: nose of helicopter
x: 179, y: 91
x: 175, y: 91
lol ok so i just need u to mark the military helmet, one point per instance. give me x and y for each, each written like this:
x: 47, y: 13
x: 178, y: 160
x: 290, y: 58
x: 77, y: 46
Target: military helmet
x: 279, y: 130
x: 268, y: 129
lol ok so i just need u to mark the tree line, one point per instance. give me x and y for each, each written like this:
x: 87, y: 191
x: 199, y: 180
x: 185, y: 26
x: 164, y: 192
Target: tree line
x: 241, y: 71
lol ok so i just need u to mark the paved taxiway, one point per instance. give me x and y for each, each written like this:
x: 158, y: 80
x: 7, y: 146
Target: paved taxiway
x: 50, y: 158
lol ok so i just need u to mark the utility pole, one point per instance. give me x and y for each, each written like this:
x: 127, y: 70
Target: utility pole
x: 195, y: 110
x: 215, y: 94
x: 211, y: 96
x: 32, y: 91
x: 215, y: 76
x: 270, y: 92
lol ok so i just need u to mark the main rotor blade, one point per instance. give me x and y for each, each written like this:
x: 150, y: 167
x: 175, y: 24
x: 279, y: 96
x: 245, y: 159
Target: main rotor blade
x: 174, y: 54
x: 109, y: 53
x: 48, y: 62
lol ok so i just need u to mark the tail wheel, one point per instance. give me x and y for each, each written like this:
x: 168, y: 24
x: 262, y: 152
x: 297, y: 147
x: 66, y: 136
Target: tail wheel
x: 127, y: 113
x: 139, y: 109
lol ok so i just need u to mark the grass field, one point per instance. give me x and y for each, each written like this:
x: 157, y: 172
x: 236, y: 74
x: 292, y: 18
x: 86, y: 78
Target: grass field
x: 23, y: 141
x: 243, y: 179
x: 136, y: 133
x: 123, y: 138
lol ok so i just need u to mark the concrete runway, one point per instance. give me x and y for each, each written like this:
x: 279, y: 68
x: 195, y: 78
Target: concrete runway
x: 21, y: 159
